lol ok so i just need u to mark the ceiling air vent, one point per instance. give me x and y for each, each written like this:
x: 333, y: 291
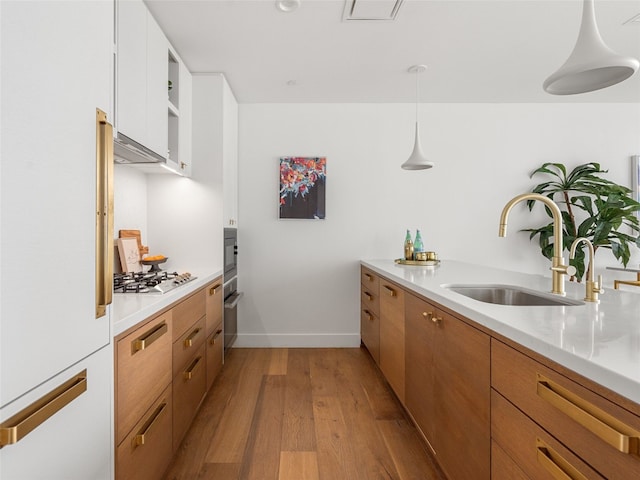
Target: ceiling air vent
x: 371, y: 9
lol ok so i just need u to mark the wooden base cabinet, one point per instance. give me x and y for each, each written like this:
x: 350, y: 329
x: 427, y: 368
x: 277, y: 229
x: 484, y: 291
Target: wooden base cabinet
x: 214, y: 354
x: 447, y: 388
x: 588, y: 430
x: 370, y: 312
x: 392, y: 335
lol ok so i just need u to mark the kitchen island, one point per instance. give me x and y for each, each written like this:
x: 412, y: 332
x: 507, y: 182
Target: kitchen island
x: 517, y: 389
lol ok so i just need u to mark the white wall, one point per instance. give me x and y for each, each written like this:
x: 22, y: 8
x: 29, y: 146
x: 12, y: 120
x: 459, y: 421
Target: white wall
x: 300, y: 277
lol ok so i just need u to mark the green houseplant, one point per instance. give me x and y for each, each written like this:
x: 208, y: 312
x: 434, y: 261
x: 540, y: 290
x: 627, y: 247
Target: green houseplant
x: 592, y: 207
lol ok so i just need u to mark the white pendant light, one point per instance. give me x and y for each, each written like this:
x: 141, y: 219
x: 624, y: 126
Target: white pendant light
x: 592, y: 65
x: 417, y: 160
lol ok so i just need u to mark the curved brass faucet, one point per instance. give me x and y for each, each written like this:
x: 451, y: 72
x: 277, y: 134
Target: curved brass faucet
x: 593, y: 288
x: 558, y: 269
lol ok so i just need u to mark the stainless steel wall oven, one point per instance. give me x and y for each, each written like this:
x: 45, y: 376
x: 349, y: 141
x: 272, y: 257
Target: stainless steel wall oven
x: 231, y: 293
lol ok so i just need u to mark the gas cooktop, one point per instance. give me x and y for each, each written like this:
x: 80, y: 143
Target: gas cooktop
x: 149, y: 282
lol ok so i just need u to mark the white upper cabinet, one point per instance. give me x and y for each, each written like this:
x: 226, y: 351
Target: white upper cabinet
x: 230, y: 156
x: 153, y: 89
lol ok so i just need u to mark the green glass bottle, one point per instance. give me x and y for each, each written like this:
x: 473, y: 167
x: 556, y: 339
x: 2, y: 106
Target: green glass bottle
x: 408, y: 247
x: 418, y: 246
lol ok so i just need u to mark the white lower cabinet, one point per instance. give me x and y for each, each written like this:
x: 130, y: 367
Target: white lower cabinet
x: 76, y: 442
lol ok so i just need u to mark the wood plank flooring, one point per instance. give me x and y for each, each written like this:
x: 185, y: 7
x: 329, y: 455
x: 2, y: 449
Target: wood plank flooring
x: 302, y: 414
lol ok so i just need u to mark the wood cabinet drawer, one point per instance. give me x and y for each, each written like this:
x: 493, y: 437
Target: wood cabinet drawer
x: 370, y: 299
x: 214, y: 354
x: 214, y: 295
x: 187, y: 344
x: 187, y: 312
x: 392, y: 335
x: 587, y: 423
x: 143, y: 370
x: 369, y: 279
x: 535, y: 451
x: 146, y: 452
x: 370, y: 332
x: 189, y: 387
x: 503, y: 467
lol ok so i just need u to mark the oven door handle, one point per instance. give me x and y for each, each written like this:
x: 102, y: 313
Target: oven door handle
x: 233, y: 300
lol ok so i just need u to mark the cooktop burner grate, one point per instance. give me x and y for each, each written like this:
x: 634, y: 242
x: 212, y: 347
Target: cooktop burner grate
x: 149, y: 282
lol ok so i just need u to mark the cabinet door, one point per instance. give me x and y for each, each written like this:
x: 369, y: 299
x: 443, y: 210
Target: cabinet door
x: 189, y: 387
x: 214, y: 305
x: 421, y: 345
x: 184, y: 129
x: 131, y: 108
x: 214, y: 354
x: 230, y: 156
x: 392, y: 335
x: 463, y: 382
x: 157, y: 88
x: 48, y: 184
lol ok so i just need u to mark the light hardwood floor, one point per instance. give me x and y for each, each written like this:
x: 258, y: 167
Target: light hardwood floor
x: 302, y: 414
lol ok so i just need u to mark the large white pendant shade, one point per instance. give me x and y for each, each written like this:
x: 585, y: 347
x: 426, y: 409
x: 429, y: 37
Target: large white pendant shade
x: 417, y: 160
x: 592, y: 65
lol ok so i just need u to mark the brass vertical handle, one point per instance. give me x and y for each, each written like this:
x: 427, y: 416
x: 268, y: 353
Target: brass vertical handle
x: 213, y: 339
x: 188, y: 342
x: 556, y: 465
x: 213, y: 290
x: 390, y: 290
x: 148, y: 338
x: 104, y: 213
x: 602, y: 424
x: 24, y: 422
x: 188, y: 374
x: 140, y: 438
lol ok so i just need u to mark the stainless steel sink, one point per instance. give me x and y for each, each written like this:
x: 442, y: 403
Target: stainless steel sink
x: 510, y: 295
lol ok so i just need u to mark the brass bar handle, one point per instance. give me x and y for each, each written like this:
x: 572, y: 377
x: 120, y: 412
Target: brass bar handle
x: 390, y: 291
x: 369, y: 276
x: 213, y: 339
x: 148, y: 338
x: 188, y: 374
x: 104, y: 213
x: 368, y: 314
x: 557, y: 466
x: 188, y: 342
x: 428, y: 315
x: 368, y: 295
x: 436, y: 320
x: 140, y: 438
x: 602, y: 424
x: 24, y: 422
x: 213, y: 290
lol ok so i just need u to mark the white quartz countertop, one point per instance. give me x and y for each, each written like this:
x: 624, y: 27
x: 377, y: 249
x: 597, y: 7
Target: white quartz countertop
x: 129, y: 309
x: 599, y: 341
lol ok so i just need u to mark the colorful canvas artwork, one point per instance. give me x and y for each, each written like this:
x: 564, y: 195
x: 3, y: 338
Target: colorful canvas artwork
x: 302, y: 187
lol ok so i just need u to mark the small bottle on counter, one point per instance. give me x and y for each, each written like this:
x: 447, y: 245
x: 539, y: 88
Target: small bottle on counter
x: 418, y: 246
x: 408, y: 247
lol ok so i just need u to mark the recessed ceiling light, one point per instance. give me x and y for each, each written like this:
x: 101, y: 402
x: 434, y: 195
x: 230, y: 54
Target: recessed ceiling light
x: 292, y: 83
x: 287, y: 5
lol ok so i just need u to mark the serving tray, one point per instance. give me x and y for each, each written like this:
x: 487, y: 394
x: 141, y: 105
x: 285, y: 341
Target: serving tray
x: 423, y: 263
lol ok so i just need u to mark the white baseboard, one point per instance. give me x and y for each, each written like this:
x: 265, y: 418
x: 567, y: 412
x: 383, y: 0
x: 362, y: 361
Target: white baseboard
x: 298, y: 340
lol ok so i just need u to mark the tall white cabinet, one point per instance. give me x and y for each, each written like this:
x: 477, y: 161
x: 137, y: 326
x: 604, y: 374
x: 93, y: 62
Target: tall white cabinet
x: 48, y: 330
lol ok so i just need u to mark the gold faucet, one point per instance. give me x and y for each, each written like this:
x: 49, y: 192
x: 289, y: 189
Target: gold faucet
x: 558, y: 269
x: 593, y: 288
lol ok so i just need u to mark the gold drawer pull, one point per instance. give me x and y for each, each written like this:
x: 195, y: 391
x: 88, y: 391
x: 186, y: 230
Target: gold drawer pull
x: 25, y: 421
x: 188, y: 375
x: 602, y: 424
x: 140, y: 438
x: 213, y: 339
x: 213, y: 290
x: 553, y: 463
x: 148, y: 338
x: 188, y: 342
x: 428, y: 315
x: 368, y: 314
x: 368, y: 295
x: 369, y: 276
x: 390, y: 290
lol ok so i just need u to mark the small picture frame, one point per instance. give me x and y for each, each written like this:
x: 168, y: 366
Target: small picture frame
x: 129, y: 254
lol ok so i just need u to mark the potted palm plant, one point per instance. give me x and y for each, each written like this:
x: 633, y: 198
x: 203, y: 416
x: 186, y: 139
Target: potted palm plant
x: 592, y: 207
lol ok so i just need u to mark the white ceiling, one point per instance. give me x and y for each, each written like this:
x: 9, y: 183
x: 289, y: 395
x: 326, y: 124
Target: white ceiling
x: 476, y: 50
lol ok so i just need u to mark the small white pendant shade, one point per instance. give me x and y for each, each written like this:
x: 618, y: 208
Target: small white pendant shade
x: 592, y: 65
x: 417, y: 160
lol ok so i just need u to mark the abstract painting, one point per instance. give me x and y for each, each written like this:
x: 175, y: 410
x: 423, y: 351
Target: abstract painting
x: 302, y: 187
